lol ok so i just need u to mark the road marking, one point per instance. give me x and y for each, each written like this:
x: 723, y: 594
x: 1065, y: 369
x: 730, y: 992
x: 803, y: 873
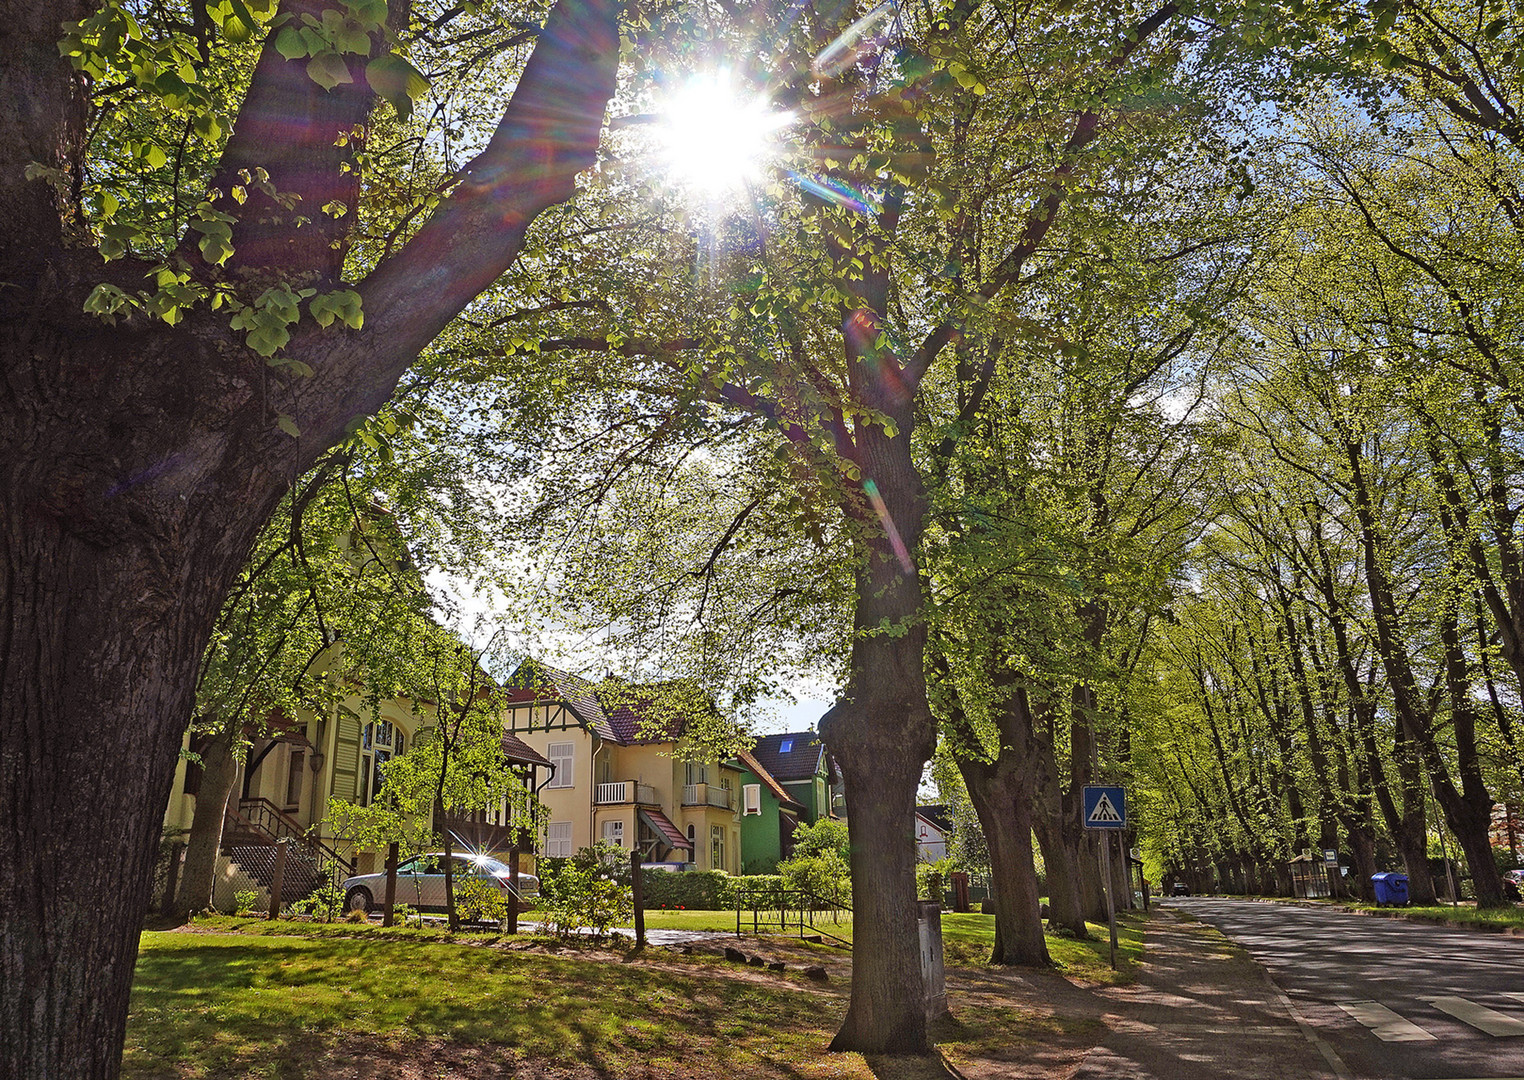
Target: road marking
x: 1479, y: 1016
x: 1384, y: 1023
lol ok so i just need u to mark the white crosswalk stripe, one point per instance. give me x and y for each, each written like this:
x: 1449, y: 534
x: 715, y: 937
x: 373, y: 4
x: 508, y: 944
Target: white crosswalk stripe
x: 1494, y: 1023
x: 1388, y: 1026
x: 1384, y: 1023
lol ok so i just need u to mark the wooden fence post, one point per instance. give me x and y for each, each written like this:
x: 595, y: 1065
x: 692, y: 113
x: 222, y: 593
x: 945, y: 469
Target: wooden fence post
x: 960, y: 890
x: 387, y: 917
x: 637, y: 891
x: 513, y: 889
x: 277, y: 879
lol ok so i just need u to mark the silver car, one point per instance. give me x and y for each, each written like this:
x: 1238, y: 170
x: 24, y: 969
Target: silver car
x: 420, y: 881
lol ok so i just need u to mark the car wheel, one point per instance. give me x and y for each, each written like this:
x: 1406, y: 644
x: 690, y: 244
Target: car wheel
x: 358, y: 899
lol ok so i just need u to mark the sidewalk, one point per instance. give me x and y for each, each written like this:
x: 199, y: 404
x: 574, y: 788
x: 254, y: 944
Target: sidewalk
x: 1201, y: 1008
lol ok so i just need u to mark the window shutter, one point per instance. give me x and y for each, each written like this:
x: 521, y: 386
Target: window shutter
x: 346, y: 758
x: 751, y: 798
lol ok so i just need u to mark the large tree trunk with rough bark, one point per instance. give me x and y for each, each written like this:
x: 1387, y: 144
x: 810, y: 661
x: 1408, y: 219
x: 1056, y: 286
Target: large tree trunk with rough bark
x: 999, y: 793
x: 881, y: 734
x: 219, y: 769
x: 1066, y: 906
x: 138, y: 462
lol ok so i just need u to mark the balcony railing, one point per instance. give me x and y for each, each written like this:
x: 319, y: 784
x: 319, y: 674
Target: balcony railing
x: 625, y: 791
x: 707, y: 795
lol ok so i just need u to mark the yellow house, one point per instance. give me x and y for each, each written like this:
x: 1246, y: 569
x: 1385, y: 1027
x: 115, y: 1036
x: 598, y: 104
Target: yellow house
x: 616, y: 779
x: 288, y: 776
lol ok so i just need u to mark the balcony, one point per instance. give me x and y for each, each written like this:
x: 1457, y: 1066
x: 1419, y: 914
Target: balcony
x: 708, y: 795
x: 625, y: 791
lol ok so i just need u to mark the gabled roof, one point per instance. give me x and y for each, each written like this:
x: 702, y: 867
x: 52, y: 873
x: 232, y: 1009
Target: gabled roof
x: 639, y: 713
x: 537, y: 682
x: 939, y: 815
x: 517, y: 750
x: 623, y: 713
x: 801, y: 761
x: 748, y: 759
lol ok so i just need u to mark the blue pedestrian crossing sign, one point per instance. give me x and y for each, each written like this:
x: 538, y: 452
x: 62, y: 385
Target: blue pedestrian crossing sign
x: 1105, y: 807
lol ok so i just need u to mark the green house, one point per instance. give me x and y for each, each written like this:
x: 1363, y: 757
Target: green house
x: 799, y: 762
x: 769, y: 816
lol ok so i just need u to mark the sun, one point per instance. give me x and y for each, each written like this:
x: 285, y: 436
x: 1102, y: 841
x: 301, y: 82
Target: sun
x: 715, y: 139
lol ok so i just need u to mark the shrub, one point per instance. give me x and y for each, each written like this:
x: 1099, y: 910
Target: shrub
x: 325, y: 902
x: 760, y: 891
x: 478, y: 901
x: 585, y: 892
x: 826, y: 876
x: 930, y: 881
x: 696, y: 890
x: 245, y: 902
x: 817, y: 839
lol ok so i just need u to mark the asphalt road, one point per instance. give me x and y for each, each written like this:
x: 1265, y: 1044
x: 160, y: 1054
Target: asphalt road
x: 1391, y: 998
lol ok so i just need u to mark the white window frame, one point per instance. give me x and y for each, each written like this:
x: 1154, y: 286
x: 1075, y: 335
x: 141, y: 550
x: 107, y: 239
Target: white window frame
x: 565, y: 764
x: 558, y: 847
x: 613, y: 833
x: 716, y: 847
x: 751, y: 799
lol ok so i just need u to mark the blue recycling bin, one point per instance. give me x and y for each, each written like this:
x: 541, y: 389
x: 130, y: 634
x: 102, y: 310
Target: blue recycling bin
x: 1390, y: 889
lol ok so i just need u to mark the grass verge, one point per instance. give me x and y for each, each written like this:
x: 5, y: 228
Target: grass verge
x: 298, y: 1001
x: 1509, y: 918
x: 241, y: 1005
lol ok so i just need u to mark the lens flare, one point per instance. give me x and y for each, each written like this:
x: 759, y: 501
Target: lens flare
x: 714, y: 138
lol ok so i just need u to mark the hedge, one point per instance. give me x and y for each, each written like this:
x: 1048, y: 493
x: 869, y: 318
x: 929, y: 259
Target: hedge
x: 696, y: 890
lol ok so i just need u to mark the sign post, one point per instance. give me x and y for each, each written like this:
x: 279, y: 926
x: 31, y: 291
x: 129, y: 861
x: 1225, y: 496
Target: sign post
x: 1105, y: 808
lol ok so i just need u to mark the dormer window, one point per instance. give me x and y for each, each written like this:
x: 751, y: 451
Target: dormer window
x: 785, y: 746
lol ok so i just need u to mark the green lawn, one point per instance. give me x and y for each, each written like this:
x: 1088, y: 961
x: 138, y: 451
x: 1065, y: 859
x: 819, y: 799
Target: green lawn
x: 235, y: 1005
x: 301, y: 1001
x: 966, y: 939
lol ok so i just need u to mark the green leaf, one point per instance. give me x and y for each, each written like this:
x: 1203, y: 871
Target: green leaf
x: 288, y: 425
x: 106, y: 301
x: 239, y: 26
x: 397, y: 81
x: 1495, y: 28
x: 289, y: 44
x: 216, y: 243
x: 369, y: 13
x: 328, y: 69
x: 207, y: 126
x: 268, y: 338
x: 343, y: 305
x: 348, y: 39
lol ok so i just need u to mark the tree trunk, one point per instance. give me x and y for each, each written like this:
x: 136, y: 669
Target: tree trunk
x: 219, y: 769
x: 1066, y: 911
x: 1002, y: 804
x: 881, y: 734
x: 886, y: 1014
x: 1362, y: 849
x: 99, y: 644
x: 137, y: 463
x: 1412, y: 832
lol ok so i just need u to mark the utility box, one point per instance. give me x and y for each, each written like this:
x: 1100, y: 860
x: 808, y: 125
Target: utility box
x: 1390, y: 889
x: 933, y: 970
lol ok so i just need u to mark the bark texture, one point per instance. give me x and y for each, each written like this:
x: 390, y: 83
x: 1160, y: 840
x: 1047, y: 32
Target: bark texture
x: 138, y: 462
x: 881, y: 733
